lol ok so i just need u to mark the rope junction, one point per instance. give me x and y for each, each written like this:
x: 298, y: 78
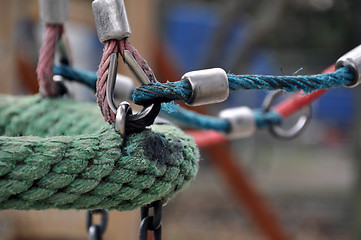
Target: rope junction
x: 115, y: 46
x: 181, y: 90
x: 56, y: 153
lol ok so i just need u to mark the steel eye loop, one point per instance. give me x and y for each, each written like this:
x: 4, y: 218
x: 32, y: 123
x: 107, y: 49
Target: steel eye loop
x: 296, y: 129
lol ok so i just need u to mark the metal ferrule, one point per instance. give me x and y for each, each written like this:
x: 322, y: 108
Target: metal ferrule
x: 352, y: 60
x: 241, y: 120
x: 208, y: 86
x: 54, y: 11
x: 111, y: 19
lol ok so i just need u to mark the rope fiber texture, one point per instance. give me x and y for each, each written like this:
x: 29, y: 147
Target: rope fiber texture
x: 115, y: 46
x: 46, y: 60
x: 181, y: 90
x: 56, y: 153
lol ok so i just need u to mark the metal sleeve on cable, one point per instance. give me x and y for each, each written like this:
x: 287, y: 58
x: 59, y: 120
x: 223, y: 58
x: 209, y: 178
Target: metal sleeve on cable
x: 111, y: 19
x: 53, y: 11
x: 242, y: 122
x: 208, y: 86
x: 352, y: 60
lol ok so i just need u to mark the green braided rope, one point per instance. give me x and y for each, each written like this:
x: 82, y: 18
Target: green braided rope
x: 53, y: 155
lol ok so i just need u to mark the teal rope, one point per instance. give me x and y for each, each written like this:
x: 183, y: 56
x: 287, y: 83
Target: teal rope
x: 181, y: 90
x: 56, y: 153
x: 85, y: 77
x: 178, y: 91
x: 199, y: 121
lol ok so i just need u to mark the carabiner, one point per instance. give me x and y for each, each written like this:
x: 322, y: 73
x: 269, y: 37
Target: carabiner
x: 125, y: 120
x: 294, y: 131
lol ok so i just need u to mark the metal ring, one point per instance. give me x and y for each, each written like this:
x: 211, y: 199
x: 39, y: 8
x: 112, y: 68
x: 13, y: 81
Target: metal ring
x: 149, y: 112
x: 294, y: 131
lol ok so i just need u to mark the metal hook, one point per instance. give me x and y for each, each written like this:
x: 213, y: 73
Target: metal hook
x: 124, y: 111
x: 294, y: 131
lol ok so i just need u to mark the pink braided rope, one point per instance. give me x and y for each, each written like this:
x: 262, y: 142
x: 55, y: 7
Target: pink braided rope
x: 125, y: 45
x: 110, y: 47
x: 46, y: 59
x: 115, y: 46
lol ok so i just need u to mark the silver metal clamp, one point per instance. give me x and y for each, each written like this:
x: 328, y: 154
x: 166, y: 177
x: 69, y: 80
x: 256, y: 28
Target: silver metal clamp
x: 53, y: 11
x: 208, y: 86
x: 241, y: 120
x: 352, y: 60
x: 111, y: 19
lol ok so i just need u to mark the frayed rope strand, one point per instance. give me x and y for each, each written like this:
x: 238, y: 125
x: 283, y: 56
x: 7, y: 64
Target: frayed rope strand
x: 307, y: 84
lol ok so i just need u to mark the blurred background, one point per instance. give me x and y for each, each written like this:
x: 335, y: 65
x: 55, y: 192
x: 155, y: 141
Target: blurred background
x: 310, y: 185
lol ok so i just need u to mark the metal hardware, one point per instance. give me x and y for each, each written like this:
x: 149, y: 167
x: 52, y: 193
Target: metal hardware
x: 352, y: 60
x: 121, y: 117
x: 208, y: 86
x: 112, y: 77
x: 134, y: 121
x: 96, y: 231
x: 241, y: 120
x: 53, y: 11
x: 63, y: 86
x: 151, y: 223
x: 133, y: 65
x: 294, y: 131
x: 111, y: 19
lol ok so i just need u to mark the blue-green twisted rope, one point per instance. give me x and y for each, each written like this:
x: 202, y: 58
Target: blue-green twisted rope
x: 85, y: 77
x: 199, y: 121
x: 181, y: 90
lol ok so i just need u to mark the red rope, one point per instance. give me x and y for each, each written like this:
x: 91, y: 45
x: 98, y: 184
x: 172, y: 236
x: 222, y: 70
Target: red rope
x: 46, y: 59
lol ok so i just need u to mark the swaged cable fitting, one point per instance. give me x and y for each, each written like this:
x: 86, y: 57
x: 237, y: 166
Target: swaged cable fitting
x: 113, y: 30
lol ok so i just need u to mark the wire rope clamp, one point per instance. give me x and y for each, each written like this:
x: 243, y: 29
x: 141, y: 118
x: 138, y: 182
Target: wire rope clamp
x: 208, y: 86
x: 242, y: 122
x: 111, y: 19
x: 54, y: 11
x: 352, y: 60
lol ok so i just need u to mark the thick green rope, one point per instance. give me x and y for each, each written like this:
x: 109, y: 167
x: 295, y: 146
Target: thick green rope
x: 56, y: 153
